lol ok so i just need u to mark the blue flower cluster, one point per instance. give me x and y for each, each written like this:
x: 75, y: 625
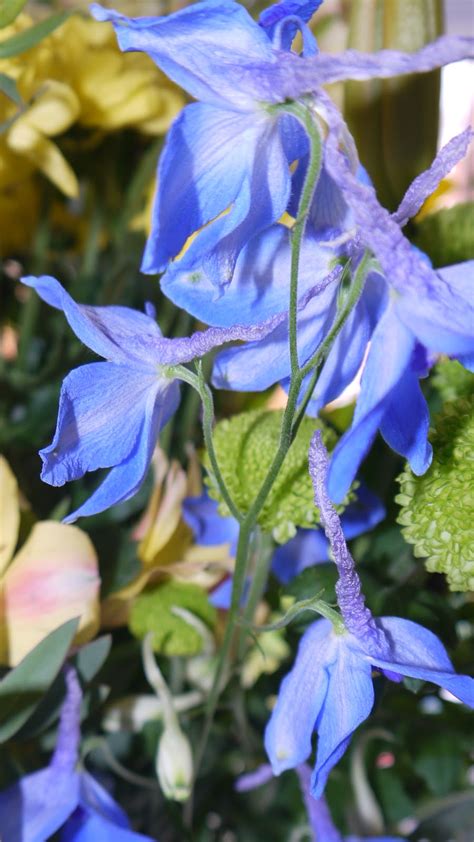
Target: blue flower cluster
x: 232, y: 178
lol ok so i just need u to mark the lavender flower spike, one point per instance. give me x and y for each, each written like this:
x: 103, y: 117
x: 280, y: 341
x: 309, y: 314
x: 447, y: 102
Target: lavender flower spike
x: 330, y: 687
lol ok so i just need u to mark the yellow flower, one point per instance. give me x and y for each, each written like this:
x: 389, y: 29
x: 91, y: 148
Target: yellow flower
x: 52, y: 578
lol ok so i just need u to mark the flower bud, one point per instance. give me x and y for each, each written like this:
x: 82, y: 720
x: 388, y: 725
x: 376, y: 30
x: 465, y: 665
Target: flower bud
x: 174, y: 763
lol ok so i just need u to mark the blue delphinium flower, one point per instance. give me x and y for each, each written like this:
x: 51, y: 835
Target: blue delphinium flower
x: 330, y: 687
x: 226, y: 160
x: 319, y: 818
x: 110, y: 413
x: 63, y: 797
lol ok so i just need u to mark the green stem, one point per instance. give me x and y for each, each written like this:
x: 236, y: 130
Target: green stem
x: 263, y: 554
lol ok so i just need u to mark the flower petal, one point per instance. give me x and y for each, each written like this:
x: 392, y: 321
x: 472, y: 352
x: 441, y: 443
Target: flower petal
x: 53, y: 578
x: 100, y: 419
x: 418, y: 653
x: 300, y: 699
x: 406, y: 422
x: 389, y: 355
x: 119, y: 334
x: 124, y: 480
x: 90, y: 827
x: 35, y: 807
x: 208, y: 526
x: 9, y: 513
x: 348, y: 702
x: 308, y: 547
x: 272, y: 17
x: 202, y: 48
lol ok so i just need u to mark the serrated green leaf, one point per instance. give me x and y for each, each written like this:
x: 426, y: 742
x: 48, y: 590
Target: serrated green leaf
x: 446, y: 236
x: 172, y: 635
x: 245, y: 446
x: 24, y: 686
x: 31, y: 37
x: 9, y: 88
x: 437, y: 509
x: 9, y: 10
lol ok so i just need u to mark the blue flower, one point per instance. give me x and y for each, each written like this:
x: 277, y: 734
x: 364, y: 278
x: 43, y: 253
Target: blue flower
x: 110, y: 413
x: 329, y: 690
x: 62, y: 798
x: 203, y: 183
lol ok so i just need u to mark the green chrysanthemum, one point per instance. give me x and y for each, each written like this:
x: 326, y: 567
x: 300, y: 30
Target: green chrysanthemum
x: 452, y: 380
x: 172, y: 635
x: 438, y: 508
x: 245, y: 447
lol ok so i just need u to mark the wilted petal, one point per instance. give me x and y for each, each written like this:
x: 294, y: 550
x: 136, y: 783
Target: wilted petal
x: 52, y: 579
x: 9, y: 513
x: 300, y: 700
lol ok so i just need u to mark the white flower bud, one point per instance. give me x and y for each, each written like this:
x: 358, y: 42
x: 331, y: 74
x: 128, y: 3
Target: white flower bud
x: 174, y: 764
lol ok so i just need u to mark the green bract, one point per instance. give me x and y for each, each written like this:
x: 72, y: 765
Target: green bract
x: 152, y: 612
x: 438, y: 508
x: 245, y: 446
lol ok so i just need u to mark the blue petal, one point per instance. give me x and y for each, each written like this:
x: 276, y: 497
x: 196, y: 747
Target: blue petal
x: 203, y: 183
x: 418, y: 653
x: 406, y: 422
x: 443, y: 318
x: 94, y: 798
x: 300, y: 698
x: 348, y: 702
x: 363, y: 514
x: 208, y: 526
x: 270, y: 19
x: 124, y: 480
x: 203, y: 48
x: 101, y: 411
x: 119, y: 334
x: 90, y: 827
x: 389, y: 356
x: 308, y: 547
x: 260, y: 285
x: 33, y: 809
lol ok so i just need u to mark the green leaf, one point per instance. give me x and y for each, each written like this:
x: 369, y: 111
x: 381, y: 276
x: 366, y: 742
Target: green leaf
x: 437, y: 509
x: 24, y: 686
x: 448, y: 818
x: 245, y: 446
x: 9, y: 10
x: 92, y: 656
x: 31, y: 37
x: 446, y: 236
x: 440, y: 763
x: 9, y: 88
x: 152, y: 612
x: 318, y: 577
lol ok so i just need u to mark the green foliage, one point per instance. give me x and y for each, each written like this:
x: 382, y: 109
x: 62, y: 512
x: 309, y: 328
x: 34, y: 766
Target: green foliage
x: 446, y: 236
x: 152, y: 612
x: 31, y: 37
x: 246, y: 445
x: 438, y: 508
x: 452, y: 380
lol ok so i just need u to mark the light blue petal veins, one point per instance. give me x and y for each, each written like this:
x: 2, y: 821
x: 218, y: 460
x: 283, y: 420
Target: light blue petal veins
x: 300, y: 698
x: 418, y: 653
x: 119, y: 334
x: 406, y: 422
x: 390, y: 352
x: 90, y: 827
x: 260, y: 285
x: 124, y: 480
x: 308, y: 547
x: 208, y: 526
x: 204, y: 48
x: 34, y: 808
x: 348, y: 702
x: 202, y: 182
x: 443, y: 319
x: 100, y: 419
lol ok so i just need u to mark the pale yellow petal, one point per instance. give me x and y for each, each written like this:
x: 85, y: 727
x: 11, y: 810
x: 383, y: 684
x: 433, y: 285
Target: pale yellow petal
x: 25, y: 139
x: 53, y: 578
x: 9, y: 513
x: 54, y: 110
x: 167, y: 517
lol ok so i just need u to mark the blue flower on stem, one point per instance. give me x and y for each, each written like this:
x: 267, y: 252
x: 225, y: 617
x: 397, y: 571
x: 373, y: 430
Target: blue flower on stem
x: 110, y: 413
x: 330, y: 687
x: 203, y: 183
x: 62, y: 797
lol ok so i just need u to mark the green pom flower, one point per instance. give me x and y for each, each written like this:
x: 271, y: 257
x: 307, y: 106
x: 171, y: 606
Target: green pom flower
x: 438, y: 508
x: 172, y: 635
x: 452, y: 380
x: 245, y: 446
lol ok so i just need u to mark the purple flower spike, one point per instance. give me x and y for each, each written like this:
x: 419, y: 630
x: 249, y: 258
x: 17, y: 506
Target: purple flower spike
x: 357, y: 617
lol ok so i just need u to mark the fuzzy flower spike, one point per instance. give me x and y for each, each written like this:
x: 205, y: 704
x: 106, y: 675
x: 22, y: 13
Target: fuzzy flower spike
x: 330, y: 687
x: 61, y: 797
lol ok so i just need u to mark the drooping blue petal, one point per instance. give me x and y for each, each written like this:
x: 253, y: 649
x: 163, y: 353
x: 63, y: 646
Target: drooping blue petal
x: 443, y: 319
x: 348, y: 702
x: 119, y: 334
x: 124, y: 480
x: 203, y: 48
x: 203, y: 183
x: 418, y: 653
x: 389, y: 356
x: 101, y: 410
x: 406, y: 422
x: 35, y: 807
x: 91, y: 827
x: 300, y: 699
x: 260, y: 285
x: 209, y: 527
